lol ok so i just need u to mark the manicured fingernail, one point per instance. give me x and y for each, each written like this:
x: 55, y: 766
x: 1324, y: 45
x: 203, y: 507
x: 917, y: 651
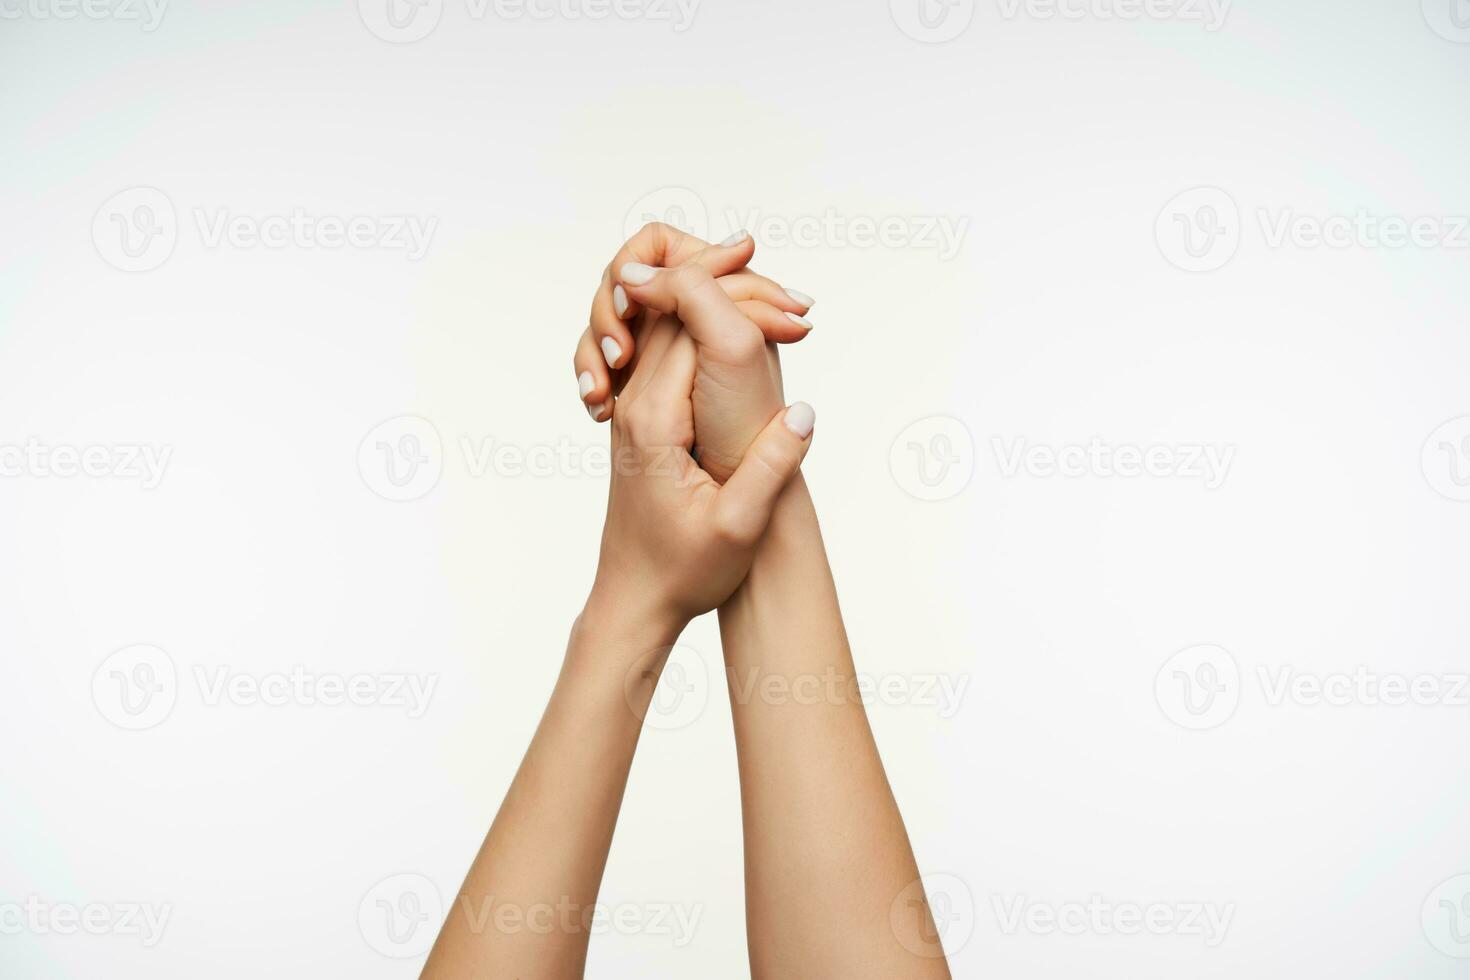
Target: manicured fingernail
x: 620, y: 301
x: 801, y: 418
x: 636, y: 273
x: 597, y: 411
x: 585, y: 384
x: 799, y: 321
x: 801, y: 298
x: 611, y: 351
x: 735, y: 239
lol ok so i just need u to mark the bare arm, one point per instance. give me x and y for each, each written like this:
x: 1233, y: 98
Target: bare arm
x: 524, y: 909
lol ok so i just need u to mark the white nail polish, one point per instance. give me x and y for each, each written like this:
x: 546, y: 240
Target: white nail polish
x: 801, y: 298
x: 799, y: 321
x: 598, y: 411
x: 801, y: 418
x: 636, y: 273
x: 620, y: 301
x: 735, y: 239
x: 585, y: 384
x: 611, y: 351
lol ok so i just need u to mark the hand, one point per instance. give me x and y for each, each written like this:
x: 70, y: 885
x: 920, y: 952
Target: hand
x: 676, y: 543
x: 739, y: 382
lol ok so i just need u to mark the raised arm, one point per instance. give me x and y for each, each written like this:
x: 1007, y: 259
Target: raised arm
x: 675, y: 544
x: 832, y: 887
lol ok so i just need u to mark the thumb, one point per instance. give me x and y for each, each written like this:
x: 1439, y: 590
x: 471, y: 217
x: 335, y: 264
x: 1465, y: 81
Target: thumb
x: 742, y: 509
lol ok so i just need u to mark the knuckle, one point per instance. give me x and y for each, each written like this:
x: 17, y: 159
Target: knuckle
x: 732, y: 527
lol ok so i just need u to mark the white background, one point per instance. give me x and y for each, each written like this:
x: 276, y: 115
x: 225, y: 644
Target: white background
x: 1331, y: 834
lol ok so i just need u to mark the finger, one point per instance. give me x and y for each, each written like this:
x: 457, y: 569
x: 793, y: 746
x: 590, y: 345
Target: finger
x: 655, y: 244
x: 665, y: 415
x: 779, y: 327
x: 691, y: 293
x: 748, y: 285
x: 742, y: 508
x: 594, y: 381
x: 653, y: 345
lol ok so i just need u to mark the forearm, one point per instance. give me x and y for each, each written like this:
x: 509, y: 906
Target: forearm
x: 825, y: 846
x: 525, y: 906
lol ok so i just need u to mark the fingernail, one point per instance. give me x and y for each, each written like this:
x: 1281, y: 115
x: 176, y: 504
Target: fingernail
x: 800, y: 321
x: 801, y: 418
x: 735, y: 239
x: 611, y: 351
x: 636, y: 273
x: 596, y: 411
x: 620, y: 301
x: 585, y: 384
x: 801, y: 298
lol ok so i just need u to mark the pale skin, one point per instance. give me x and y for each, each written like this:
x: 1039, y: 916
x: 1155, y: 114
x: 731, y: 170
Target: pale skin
x: 830, y: 876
